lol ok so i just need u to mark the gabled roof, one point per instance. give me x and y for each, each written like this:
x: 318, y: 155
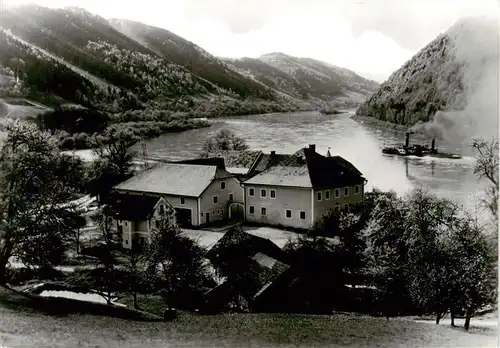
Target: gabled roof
x: 306, y: 168
x: 176, y: 179
x: 244, y: 244
x: 237, y: 159
x: 132, y: 207
x: 264, y: 161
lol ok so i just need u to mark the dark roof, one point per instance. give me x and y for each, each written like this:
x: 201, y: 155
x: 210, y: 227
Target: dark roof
x: 241, y: 243
x: 265, y: 161
x: 331, y: 171
x: 306, y: 168
x: 132, y: 207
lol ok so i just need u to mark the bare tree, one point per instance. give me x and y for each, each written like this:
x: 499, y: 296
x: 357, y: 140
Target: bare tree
x: 487, y: 168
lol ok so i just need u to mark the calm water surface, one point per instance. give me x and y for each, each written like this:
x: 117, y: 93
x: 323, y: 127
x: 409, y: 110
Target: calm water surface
x: 357, y: 142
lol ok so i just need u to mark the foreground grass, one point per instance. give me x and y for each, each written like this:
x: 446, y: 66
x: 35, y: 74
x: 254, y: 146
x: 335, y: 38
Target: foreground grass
x: 24, y: 326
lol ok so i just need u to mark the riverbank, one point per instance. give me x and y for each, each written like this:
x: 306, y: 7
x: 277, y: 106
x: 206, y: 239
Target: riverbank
x: 145, y: 130
x: 376, y: 123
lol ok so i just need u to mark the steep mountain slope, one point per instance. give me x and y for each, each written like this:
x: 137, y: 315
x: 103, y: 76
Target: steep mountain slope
x: 451, y: 83
x: 191, y: 56
x: 125, y: 73
x: 60, y: 56
x: 270, y: 76
x: 306, y: 78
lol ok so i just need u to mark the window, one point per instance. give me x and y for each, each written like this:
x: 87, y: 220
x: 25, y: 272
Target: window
x: 201, y: 214
x: 213, y: 212
x: 356, y: 189
x: 337, y: 193
x: 272, y: 193
x: 346, y: 191
x: 162, y: 209
x: 347, y: 208
x: 231, y: 197
x: 183, y: 200
x: 126, y: 241
x: 263, y: 211
x: 222, y: 185
x: 125, y: 223
x: 337, y: 209
x: 327, y: 194
x: 302, y: 215
x: 251, y: 209
x: 288, y: 213
x: 251, y: 192
x: 215, y: 199
x: 263, y: 193
x: 319, y: 196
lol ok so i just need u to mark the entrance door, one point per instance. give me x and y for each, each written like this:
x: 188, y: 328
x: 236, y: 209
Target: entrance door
x: 207, y: 214
x: 183, y: 217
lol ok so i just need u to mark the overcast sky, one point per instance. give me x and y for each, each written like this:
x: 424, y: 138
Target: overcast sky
x: 371, y: 37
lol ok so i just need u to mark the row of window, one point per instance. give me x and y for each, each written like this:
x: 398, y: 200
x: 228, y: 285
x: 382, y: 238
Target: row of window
x: 288, y: 212
x: 272, y: 193
x: 337, y: 193
x: 263, y: 193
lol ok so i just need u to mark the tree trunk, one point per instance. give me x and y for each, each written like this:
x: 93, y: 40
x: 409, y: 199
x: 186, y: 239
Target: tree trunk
x: 468, y: 316
x: 5, y: 253
x: 135, y: 300
x: 452, y: 314
x: 3, y: 270
x: 78, y: 242
x: 438, y: 318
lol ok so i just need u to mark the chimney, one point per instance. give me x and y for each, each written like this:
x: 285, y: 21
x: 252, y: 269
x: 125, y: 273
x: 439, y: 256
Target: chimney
x: 407, y: 141
x: 312, y: 147
x: 273, y: 153
x: 433, y: 145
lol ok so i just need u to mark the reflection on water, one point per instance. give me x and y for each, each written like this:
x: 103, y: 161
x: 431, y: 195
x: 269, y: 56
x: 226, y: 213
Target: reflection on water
x: 357, y: 142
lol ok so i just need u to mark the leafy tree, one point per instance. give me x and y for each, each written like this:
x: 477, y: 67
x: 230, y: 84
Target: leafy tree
x: 224, y: 140
x: 346, y: 229
x: 72, y: 170
x: 487, y: 168
x: 32, y: 192
x: 386, y: 252
x: 428, y: 218
x: 113, y: 146
x: 471, y: 265
x: 115, y: 159
x: 431, y: 250
x: 178, y: 265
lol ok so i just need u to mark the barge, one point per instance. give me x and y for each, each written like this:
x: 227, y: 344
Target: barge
x: 418, y: 150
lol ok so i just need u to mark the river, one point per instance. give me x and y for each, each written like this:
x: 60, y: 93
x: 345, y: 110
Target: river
x: 357, y: 142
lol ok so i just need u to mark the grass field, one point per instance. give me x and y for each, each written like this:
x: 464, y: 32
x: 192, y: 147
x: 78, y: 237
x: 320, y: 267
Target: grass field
x: 22, y: 326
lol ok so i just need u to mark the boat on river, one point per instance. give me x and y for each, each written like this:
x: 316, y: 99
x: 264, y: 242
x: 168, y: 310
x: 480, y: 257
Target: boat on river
x: 418, y: 150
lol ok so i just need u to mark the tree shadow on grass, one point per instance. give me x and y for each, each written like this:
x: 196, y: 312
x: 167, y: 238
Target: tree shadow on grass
x: 57, y: 306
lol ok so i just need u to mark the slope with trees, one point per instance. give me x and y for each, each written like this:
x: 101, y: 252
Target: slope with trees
x: 445, y: 75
